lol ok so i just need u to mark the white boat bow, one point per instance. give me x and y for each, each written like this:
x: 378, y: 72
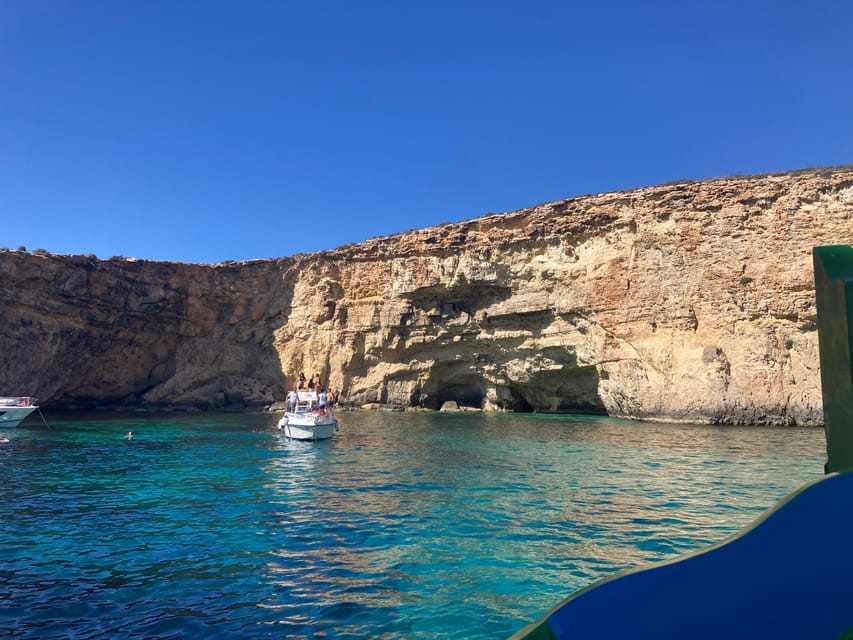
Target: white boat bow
x: 308, y: 421
x: 13, y: 410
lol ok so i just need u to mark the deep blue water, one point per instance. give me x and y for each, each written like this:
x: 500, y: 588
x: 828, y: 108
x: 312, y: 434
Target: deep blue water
x: 402, y: 526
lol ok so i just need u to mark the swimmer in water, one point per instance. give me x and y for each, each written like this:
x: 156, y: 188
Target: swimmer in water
x: 129, y: 435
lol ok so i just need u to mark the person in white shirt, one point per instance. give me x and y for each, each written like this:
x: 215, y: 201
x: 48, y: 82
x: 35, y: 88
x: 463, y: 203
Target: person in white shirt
x: 292, y: 399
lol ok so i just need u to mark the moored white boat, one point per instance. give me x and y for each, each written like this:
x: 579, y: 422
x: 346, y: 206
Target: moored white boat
x: 309, y: 421
x: 14, y: 410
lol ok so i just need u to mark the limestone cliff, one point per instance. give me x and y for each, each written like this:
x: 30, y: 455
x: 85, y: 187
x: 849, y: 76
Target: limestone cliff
x: 690, y: 301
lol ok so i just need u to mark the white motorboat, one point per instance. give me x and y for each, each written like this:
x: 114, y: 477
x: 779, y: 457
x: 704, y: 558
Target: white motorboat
x: 14, y: 410
x: 308, y: 421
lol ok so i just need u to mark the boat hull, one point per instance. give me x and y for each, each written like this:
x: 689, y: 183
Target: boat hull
x: 307, y: 426
x: 13, y: 416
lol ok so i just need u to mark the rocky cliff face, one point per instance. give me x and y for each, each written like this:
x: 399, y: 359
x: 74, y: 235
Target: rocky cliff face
x: 81, y: 332
x: 688, y: 302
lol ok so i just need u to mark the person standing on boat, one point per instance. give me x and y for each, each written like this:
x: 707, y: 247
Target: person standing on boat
x: 301, y: 384
x: 321, y: 399
x: 315, y: 382
x: 292, y: 399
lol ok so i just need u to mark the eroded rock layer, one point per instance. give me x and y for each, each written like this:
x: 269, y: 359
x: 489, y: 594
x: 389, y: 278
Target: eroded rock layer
x: 691, y: 301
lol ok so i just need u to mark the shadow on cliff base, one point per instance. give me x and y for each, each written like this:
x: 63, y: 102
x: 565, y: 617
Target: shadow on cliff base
x: 568, y: 390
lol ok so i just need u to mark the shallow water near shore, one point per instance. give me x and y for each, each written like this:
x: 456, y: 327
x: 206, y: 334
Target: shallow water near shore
x: 401, y: 526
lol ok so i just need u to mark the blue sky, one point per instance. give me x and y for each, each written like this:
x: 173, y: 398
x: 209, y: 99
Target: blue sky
x: 203, y: 131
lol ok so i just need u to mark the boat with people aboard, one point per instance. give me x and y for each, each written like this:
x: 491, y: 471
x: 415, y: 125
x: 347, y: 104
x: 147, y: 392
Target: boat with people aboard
x: 308, y: 417
x: 13, y: 410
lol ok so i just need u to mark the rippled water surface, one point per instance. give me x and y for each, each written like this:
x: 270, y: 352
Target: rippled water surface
x: 402, y: 526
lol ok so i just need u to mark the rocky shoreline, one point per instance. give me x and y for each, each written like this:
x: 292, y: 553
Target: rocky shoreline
x: 685, y: 302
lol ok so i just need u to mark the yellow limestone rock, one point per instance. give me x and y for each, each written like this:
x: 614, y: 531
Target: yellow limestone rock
x: 690, y: 301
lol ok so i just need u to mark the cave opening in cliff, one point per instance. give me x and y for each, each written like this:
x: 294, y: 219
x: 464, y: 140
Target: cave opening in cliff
x: 465, y: 394
x: 563, y: 390
x: 560, y: 387
x: 517, y: 404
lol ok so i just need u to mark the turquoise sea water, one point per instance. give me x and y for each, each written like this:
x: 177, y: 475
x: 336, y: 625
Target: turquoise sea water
x: 402, y: 526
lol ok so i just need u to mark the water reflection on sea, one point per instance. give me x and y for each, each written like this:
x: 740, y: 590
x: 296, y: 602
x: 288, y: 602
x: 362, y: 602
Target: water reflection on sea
x: 401, y: 526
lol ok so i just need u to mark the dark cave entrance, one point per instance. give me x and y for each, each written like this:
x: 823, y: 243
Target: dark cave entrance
x: 562, y: 390
x: 463, y: 394
x: 518, y: 404
x: 566, y: 390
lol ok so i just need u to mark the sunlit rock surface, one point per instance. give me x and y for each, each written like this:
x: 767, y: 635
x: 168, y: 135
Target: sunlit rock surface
x: 690, y: 301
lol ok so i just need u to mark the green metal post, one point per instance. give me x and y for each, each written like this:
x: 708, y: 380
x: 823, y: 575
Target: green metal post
x: 833, y: 273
